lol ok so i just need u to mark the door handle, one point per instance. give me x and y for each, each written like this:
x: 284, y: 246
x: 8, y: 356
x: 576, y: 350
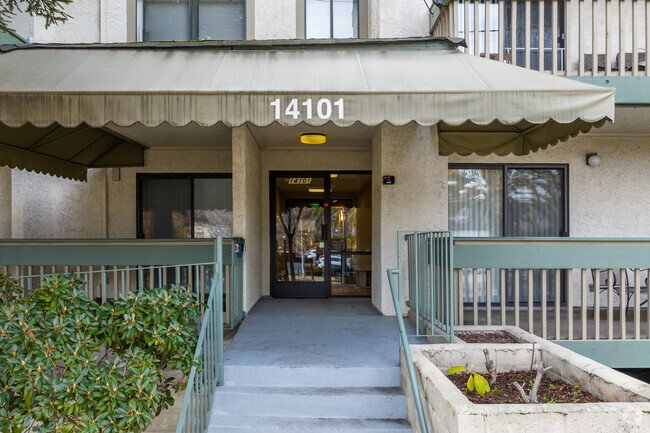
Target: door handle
x: 323, y: 232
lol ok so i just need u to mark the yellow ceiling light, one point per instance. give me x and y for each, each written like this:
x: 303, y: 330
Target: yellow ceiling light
x: 316, y: 189
x: 334, y: 175
x: 313, y: 138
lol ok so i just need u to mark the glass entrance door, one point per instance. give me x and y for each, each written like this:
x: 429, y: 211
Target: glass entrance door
x: 321, y: 234
x: 301, y: 250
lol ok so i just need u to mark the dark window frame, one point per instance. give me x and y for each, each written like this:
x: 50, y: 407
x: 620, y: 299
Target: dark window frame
x: 505, y: 220
x: 188, y: 176
x: 504, y: 170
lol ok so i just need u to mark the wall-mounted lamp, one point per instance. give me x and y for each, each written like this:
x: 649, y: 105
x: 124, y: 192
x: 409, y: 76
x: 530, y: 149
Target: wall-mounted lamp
x: 313, y: 138
x: 593, y: 160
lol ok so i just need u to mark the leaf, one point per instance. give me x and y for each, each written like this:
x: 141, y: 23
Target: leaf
x: 481, y: 384
x: 456, y: 369
x: 470, y: 383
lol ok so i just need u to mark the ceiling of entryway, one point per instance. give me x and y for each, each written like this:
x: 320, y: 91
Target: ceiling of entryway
x: 272, y: 137
x: 278, y: 137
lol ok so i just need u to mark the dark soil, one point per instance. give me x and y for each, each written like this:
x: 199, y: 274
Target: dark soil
x: 504, y: 392
x: 486, y: 337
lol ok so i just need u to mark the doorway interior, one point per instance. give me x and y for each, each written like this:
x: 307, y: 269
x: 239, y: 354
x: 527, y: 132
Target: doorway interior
x: 321, y: 234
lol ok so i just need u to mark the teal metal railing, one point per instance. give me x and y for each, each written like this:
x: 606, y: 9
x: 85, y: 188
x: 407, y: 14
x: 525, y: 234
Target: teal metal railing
x: 429, y: 263
x: 208, y: 374
x: 113, y: 267
x: 429, y: 275
x: 404, y: 345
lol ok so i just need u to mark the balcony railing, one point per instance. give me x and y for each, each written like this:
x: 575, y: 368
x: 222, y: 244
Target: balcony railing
x: 571, y: 37
x: 556, y: 288
x: 112, y: 268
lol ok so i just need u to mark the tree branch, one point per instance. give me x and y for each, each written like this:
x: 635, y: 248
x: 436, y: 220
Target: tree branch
x: 532, y: 396
x: 491, y: 367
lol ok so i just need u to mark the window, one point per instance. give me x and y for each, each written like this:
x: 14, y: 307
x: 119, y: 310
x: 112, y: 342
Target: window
x: 331, y: 19
x: 168, y: 20
x: 184, y: 206
x: 508, y: 201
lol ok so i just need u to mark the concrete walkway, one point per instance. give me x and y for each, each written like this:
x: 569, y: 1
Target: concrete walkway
x: 312, y: 366
x: 309, y: 332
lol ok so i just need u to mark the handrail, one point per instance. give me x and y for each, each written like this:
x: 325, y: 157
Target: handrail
x: 404, y: 344
x: 202, y: 383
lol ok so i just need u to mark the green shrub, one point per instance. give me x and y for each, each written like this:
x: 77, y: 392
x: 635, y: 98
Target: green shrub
x: 68, y: 364
x: 317, y: 271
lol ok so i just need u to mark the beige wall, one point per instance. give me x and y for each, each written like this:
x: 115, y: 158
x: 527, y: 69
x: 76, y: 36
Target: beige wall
x: 417, y: 200
x: 274, y: 19
x: 247, y: 208
x: 44, y: 206
x: 397, y: 18
x: 5, y: 202
x: 91, y: 21
x: 300, y: 160
x: 106, y: 21
x: 608, y: 200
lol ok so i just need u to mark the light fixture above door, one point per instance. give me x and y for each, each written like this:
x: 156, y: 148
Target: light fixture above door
x: 313, y: 138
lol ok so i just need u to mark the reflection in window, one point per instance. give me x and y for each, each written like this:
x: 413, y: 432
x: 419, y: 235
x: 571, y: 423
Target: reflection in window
x: 531, y: 203
x: 166, y: 210
x: 174, y: 20
x: 331, y: 19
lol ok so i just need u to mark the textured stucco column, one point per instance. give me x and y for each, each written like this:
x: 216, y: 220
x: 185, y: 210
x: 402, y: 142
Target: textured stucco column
x: 417, y: 200
x: 247, y: 208
x: 5, y: 202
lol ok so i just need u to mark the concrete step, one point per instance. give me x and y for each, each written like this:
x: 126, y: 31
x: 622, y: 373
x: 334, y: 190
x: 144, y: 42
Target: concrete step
x: 311, y: 402
x: 321, y: 376
x: 267, y: 424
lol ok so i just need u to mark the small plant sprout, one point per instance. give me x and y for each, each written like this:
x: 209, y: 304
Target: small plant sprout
x: 532, y: 396
x: 476, y: 382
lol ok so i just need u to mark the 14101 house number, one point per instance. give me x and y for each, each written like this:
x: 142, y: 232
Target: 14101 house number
x: 324, y: 108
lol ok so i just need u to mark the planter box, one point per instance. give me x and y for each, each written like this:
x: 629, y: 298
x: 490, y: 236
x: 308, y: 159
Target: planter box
x: 626, y: 407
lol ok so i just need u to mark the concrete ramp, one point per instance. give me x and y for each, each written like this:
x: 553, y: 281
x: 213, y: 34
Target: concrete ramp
x: 298, y: 365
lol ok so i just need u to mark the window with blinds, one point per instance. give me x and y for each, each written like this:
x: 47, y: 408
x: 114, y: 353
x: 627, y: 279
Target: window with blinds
x: 508, y: 201
x: 182, y: 20
x: 184, y: 206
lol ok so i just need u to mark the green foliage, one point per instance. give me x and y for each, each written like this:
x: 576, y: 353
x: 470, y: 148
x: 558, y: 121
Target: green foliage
x: 474, y: 382
x: 68, y: 364
x: 317, y: 271
x: 50, y: 10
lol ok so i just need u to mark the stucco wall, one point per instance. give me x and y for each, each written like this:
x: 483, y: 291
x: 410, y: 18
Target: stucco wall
x: 300, y: 160
x: 49, y: 207
x: 417, y: 200
x: 274, y: 19
x: 608, y: 200
x: 106, y: 21
x: 122, y: 194
x: 5, y: 202
x: 397, y: 18
x: 247, y: 208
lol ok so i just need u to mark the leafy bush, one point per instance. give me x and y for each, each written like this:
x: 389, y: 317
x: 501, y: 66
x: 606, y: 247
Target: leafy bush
x: 68, y: 364
x: 317, y: 271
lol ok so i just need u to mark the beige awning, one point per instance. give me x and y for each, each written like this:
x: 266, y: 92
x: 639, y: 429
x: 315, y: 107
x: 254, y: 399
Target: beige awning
x: 484, y: 106
x: 66, y: 152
